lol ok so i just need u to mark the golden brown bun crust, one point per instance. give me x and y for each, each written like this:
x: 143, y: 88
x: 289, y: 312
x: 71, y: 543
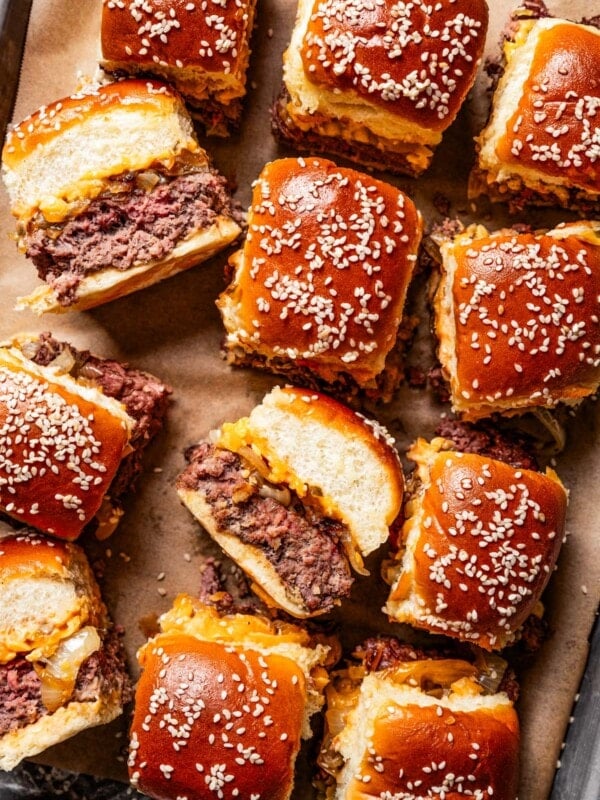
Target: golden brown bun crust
x: 31, y: 554
x: 390, y: 49
x: 323, y: 274
x: 59, y: 465
x: 541, y: 133
x: 211, y: 716
x: 517, y: 315
x: 48, y: 593
x: 182, y: 42
x: 54, y: 119
x: 416, y: 750
x: 481, y: 544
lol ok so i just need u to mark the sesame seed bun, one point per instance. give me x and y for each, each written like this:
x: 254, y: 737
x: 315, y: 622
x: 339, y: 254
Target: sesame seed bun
x: 48, y: 593
x: 516, y: 315
x: 420, y: 729
x: 376, y: 86
x: 222, y: 703
x: 73, y: 675
x: 479, y: 544
x: 63, y: 442
x: 205, y: 56
x: 119, y: 144
x: 64, y: 151
x: 331, y: 459
x: 321, y: 280
x: 538, y: 146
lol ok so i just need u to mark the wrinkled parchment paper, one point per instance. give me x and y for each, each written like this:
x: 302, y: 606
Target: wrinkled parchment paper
x: 173, y: 330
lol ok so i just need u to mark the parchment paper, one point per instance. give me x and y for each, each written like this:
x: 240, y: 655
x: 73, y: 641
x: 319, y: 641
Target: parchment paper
x: 173, y: 330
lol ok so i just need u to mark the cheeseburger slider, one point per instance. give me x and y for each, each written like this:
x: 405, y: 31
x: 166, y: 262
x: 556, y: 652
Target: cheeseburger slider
x: 542, y: 140
x: 516, y: 315
x: 222, y: 704
x: 112, y: 193
x: 404, y: 725
x: 480, y: 541
x: 203, y: 51
x: 73, y: 430
x: 378, y: 83
x: 296, y: 493
x: 61, y: 662
x: 320, y: 282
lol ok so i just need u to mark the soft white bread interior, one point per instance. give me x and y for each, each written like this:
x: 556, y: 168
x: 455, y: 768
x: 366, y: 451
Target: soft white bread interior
x: 315, y: 444
x: 48, y: 593
x: 65, y: 151
x: 61, y: 664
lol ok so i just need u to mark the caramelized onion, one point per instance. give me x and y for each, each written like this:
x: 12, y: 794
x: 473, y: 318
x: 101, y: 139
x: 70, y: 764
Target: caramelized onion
x: 59, y: 673
x: 280, y: 495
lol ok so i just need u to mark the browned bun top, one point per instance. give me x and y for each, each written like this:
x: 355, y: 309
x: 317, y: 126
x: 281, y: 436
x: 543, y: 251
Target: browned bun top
x: 215, y: 718
x: 325, y: 267
x: 481, y: 543
x: 419, y: 729
x: 62, y: 444
x: 517, y: 314
x: 432, y: 751
x: 48, y: 593
x: 56, y: 118
x: 552, y: 127
x: 177, y: 33
x: 417, y: 61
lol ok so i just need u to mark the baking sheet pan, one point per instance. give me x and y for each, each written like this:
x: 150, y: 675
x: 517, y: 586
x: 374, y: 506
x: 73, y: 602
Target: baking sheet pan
x: 174, y: 330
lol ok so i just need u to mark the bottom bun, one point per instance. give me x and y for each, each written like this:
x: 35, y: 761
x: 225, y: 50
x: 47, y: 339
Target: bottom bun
x: 109, y: 284
x: 55, y: 728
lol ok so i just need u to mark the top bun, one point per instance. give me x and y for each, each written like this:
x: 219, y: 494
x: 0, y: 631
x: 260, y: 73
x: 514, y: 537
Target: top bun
x: 62, y: 443
x: 222, y: 703
x: 541, y: 139
x: 321, y: 280
x: 516, y: 315
x: 48, y: 593
x: 65, y: 151
x: 314, y: 444
x: 419, y: 729
x: 204, y: 55
x: 378, y: 83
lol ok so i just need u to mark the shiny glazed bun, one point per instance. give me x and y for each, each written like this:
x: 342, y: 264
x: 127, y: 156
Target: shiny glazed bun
x: 377, y: 83
x: 516, y: 315
x: 540, y: 145
x: 62, y: 444
x: 112, y: 193
x: 48, y: 593
x: 204, y: 55
x: 294, y: 491
x: 478, y: 547
x: 320, y: 283
x: 419, y: 729
x: 62, y: 668
x: 222, y: 705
